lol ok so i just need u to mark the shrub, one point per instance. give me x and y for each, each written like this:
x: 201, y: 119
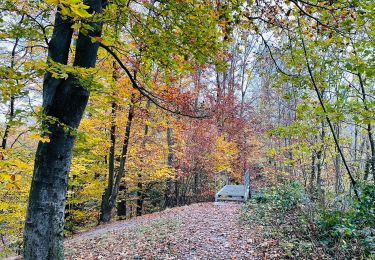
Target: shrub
x: 282, y: 213
x: 352, y: 232
x: 304, y: 228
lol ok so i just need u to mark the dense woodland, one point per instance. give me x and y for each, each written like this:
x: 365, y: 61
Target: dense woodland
x: 111, y: 109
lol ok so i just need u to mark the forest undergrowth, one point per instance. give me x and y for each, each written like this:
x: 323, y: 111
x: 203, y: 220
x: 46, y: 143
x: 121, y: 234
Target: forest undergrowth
x: 306, y: 226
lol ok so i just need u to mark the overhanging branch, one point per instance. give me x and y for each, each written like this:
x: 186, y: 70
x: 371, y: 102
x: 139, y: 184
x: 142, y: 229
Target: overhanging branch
x: 273, y: 59
x: 149, y: 95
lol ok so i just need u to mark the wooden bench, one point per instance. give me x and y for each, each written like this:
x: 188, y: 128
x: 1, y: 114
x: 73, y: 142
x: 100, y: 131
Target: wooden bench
x: 235, y: 192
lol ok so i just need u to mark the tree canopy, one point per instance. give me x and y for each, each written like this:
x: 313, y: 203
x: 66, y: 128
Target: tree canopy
x: 112, y: 109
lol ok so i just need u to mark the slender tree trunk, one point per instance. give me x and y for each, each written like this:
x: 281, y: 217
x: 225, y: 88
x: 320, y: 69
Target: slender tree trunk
x: 121, y: 204
x: 372, y: 148
x: 140, y: 192
x: 140, y: 198
x: 338, y: 174
x: 65, y: 100
x: 12, y: 98
x: 114, y: 182
x: 312, y: 176
x: 117, y: 180
x: 170, y: 161
x: 356, y: 148
x: 8, y: 124
x: 367, y: 169
x: 369, y: 127
x: 196, y: 183
x: 318, y: 170
x: 319, y: 161
x: 320, y: 97
x: 106, y: 211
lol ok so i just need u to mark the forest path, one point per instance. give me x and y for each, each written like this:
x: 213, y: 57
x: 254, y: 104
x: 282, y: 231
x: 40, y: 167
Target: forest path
x: 197, y: 231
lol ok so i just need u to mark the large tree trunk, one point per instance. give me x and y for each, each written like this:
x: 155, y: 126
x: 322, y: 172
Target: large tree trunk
x: 64, y: 100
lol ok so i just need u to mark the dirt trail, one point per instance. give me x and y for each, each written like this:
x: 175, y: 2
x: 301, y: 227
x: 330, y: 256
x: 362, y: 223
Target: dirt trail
x: 198, y: 231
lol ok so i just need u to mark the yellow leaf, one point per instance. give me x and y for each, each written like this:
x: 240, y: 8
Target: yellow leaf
x: 43, y: 139
x: 11, y: 186
x: 80, y: 10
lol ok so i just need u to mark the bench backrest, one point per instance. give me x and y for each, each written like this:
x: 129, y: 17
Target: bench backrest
x: 247, y: 184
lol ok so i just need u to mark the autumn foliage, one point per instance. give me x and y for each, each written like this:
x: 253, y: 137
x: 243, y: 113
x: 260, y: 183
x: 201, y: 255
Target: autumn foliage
x: 185, y: 96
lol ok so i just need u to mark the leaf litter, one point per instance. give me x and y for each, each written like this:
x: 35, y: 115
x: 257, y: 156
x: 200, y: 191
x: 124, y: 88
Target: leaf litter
x: 197, y: 231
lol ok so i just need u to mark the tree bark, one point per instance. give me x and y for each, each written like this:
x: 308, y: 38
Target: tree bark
x: 64, y: 100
